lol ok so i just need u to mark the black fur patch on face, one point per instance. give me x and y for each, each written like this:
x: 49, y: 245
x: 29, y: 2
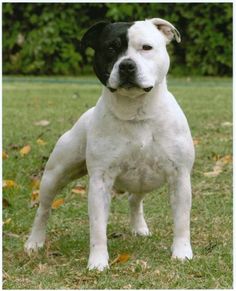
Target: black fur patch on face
x: 109, y: 40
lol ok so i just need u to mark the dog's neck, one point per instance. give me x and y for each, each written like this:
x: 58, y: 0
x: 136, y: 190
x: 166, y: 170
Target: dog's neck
x: 139, y: 108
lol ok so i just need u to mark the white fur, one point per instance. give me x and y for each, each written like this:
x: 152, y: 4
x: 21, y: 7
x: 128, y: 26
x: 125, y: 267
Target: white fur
x: 148, y: 62
x: 131, y: 141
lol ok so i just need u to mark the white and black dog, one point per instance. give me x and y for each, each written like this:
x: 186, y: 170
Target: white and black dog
x: 134, y: 139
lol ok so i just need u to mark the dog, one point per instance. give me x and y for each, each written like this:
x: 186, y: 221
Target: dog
x: 135, y: 139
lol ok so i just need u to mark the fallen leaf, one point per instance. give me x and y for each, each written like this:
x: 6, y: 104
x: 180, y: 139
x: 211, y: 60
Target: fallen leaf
x: 35, y: 183
x: 42, y: 122
x: 6, y: 276
x: 41, y: 142
x: 57, y: 203
x: 227, y: 159
x: 7, y: 221
x: 9, y: 184
x: 129, y: 286
x: 42, y: 268
x: 5, y: 156
x: 196, y: 141
x: 25, y: 150
x: 5, y: 203
x: 34, y: 198
x: 226, y: 124
x: 10, y: 234
x: 79, y: 189
x: 121, y: 259
x: 218, y: 167
x: 212, y: 174
x: 215, y: 157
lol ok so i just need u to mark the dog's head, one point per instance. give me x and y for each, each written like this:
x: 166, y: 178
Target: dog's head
x: 130, y: 58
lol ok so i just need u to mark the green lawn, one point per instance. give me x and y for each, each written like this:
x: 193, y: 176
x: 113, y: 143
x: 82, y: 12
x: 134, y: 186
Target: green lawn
x: 207, y: 103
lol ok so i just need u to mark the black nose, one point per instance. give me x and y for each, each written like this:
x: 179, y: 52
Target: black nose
x: 127, y: 67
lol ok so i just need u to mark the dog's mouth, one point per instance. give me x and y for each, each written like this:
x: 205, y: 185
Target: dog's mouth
x: 129, y: 86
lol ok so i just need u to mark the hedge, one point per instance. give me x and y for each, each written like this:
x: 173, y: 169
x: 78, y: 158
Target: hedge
x: 43, y: 38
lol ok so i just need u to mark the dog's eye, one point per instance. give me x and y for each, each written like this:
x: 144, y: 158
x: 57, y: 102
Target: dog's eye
x: 147, y: 47
x: 110, y: 50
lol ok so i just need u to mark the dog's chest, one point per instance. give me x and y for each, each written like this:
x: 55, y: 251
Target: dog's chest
x: 142, y: 163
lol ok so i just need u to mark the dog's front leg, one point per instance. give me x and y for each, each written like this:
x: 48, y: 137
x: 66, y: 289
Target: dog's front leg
x: 180, y: 187
x: 98, y: 206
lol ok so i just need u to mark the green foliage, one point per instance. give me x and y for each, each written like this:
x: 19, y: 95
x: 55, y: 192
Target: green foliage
x: 40, y: 38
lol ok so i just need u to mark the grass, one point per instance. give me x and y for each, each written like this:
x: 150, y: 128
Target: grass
x: 207, y: 103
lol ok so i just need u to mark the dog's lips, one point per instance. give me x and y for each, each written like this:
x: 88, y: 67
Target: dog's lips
x: 112, y: 89
x: 128, y: 84
x: 131, y: 86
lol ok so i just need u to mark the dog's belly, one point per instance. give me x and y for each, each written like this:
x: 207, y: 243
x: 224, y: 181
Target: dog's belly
x: 140, y: 177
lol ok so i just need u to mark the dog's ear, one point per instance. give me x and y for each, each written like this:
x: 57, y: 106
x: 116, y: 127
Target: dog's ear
x: 167, y: 29
x: 91, y: 36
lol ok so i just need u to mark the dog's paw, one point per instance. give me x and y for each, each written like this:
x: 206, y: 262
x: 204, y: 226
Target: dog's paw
x: 139, y: 227
x: 98, y: 261
x: 33, y: 244
x: 142, y: 231
x: 98, y: 266
x: 182, y: 250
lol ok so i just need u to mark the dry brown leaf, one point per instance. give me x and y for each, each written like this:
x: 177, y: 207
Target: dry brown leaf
x: 218, y: 167
x: 216, y: 157
x: 11, y: 234
x: 129, y: 286
x: 42, y: 268
x: 79, y: 189
x: 212, y: 173
x: 227, y: 159
x: 41, y: 142
x: 57, y: 203
x: 35, y: 183
x: 7, y: 221
x: 6, y: 276
x: 42, y: 122
x: 196, y: 141
x: 157, y: 272
x: 9, y: 184
x: 5, y: 156
x: 34, y: 198
x: 226, y: 124
x: 121, y: 259
x: 25, y: 150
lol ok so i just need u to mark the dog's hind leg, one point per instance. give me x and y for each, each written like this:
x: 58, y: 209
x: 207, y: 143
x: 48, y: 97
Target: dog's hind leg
x: 138, y: 223
x: 66, y: 163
